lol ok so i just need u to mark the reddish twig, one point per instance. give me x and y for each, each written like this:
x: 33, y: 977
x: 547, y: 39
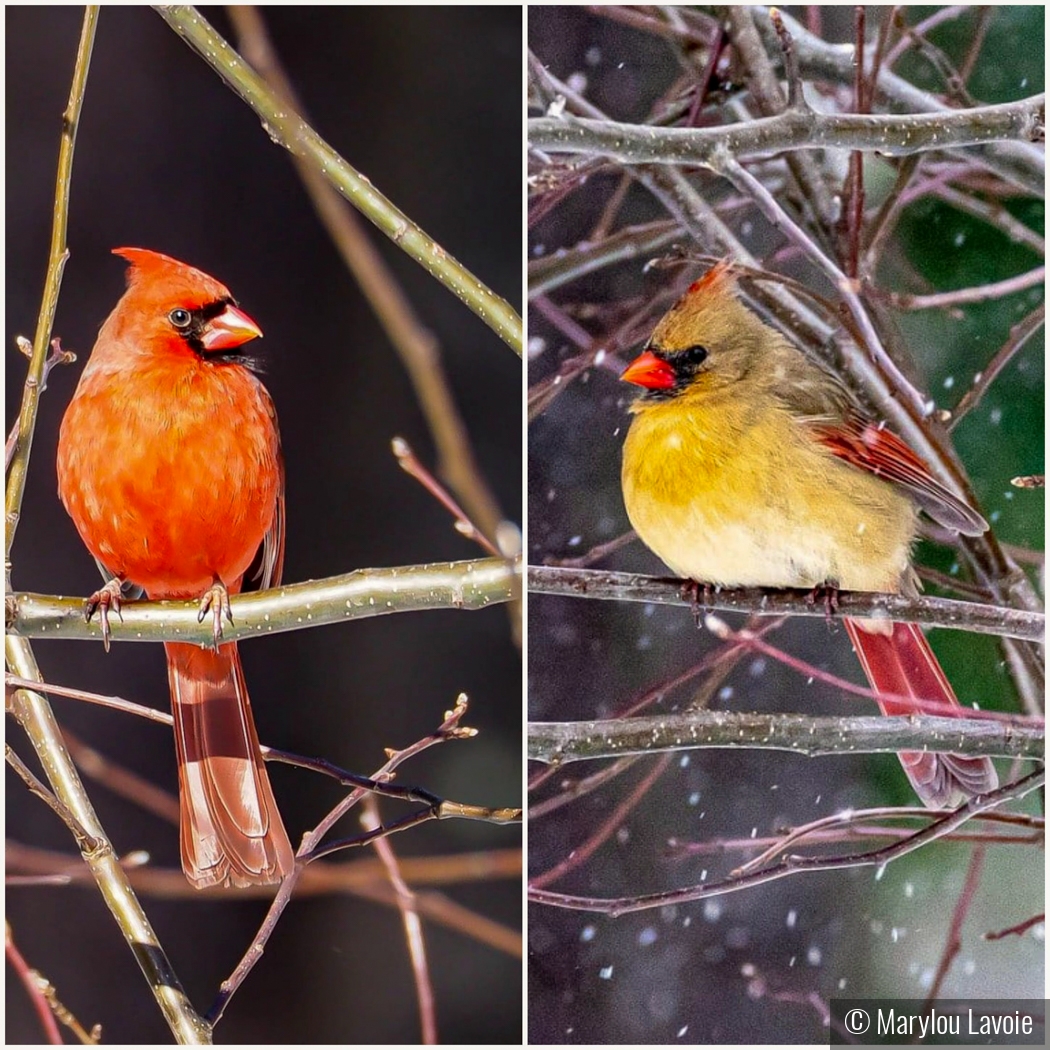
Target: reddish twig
x: 795, y: 865
x: 33, y: 984
x: 953, y: 942
x: 586, y: 849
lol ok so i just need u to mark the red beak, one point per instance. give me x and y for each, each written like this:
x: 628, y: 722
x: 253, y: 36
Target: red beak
x: 231, y: 328
x: 649, y: 371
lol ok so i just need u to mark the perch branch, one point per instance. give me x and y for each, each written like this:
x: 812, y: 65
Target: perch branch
x: 366, y: 592
x: 933, y: 612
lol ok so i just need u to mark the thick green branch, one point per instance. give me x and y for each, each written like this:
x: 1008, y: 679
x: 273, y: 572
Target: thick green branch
x: 288, y: 129
x: 367, y: 592
x: 563, y: 742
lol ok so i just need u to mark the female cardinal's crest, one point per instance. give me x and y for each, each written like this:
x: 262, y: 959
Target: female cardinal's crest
x: 719, y: 280
x: 708, y: 313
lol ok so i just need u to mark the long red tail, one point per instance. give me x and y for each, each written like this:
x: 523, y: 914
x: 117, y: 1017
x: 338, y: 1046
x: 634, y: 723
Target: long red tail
x: 230, y: 828
x: 897, y: 659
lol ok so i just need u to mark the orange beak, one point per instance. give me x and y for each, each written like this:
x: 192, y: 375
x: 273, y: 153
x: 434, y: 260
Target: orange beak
x: 649, y: 371
x: 230, y: 329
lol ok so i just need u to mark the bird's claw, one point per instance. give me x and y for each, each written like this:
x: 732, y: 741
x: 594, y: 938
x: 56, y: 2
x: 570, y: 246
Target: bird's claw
x: 829, y: 593
x: 693, y: 589
x: 216, y: 599
x: 105, y: 598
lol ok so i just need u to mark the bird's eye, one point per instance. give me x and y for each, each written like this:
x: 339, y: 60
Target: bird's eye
x: 694, y: 356
x: 180, y: 318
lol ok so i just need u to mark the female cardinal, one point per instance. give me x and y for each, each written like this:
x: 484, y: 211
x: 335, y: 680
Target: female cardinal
x: 746, y: 464
x: 169, y: 464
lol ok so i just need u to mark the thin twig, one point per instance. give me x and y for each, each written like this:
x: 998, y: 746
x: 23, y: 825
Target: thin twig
x: 57, y: 356
x: 852, y: 821
x: 795, y: 865
x: 409, y: 462
x: 977, y: 294
x: 582, y: 852
x: 56, y: 264
x: 32, y: 982
x: 86, y: 841
x: 1018, y: 930
x: 408, y: 907
x: 953, y: 942
x: 450, y: 729
x: 1020, y: 333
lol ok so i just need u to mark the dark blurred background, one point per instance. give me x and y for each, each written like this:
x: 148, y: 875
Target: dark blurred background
x: 755, y: 966
x: 427, y: 103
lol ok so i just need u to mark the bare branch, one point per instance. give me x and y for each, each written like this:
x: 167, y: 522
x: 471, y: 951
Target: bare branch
x: 563, y: 742
x: 893, y: 134
x: 356, y: 595
x: 934, y: 612
x: 287, y: 128
x: 939, y: 827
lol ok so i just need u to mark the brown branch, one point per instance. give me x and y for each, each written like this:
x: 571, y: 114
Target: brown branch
x: 450, y: 729
x: 1020, y: 333
x: 938, y: 827
x: 893, y: 134
x: 809, y: 735
x: 932, y: 612
x: 581, y: 853
x: 408, y: 906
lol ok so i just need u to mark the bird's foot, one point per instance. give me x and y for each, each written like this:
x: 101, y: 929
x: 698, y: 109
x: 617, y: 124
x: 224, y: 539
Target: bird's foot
x: 828, y: 593
x: 105, y: 598
x: 694, y: 589
x: 216, y: 599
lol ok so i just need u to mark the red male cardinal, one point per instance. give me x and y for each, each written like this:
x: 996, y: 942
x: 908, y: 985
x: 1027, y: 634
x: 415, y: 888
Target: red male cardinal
x: 748, y: 465
x: 169, y: 463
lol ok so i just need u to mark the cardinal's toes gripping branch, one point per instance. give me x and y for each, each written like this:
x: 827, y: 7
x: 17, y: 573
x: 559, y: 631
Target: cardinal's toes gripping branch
x: 216, y: 599
x: 105, y: 598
